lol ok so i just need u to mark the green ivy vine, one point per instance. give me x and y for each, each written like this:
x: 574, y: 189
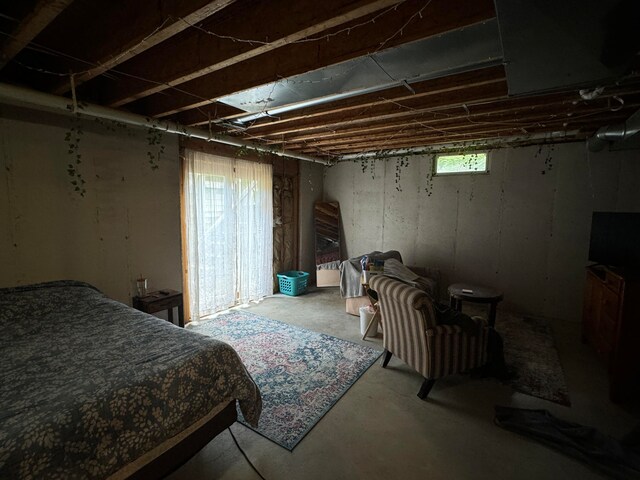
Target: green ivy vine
x: 401, y: 162
x: 428, y: 184
x: 73, y: 138
x: 114, y: 126
x: 242, y: 151
x: 471, y: 162
x: 156, y: 147
x: 368, y: 163
x: 548, y: 160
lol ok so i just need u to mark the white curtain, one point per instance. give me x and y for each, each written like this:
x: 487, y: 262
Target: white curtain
x: 229, y: 237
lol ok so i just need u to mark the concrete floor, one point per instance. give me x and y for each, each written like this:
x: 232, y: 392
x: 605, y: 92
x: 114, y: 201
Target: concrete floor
x: 380, y: 429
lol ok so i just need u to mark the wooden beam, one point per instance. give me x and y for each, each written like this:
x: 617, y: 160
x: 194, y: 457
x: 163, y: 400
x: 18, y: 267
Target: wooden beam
x: 377, y: 118
x: 397, y: 27
x: 398, y: 94
x: 426, y: 88
x: 200, y: 116
x: 492, y: 140
x: 273, y: 24
x: 472, y: 134
x: 152, y: 26
x: 521, y: 109
x: 468, y: 135
x: 43, y: 13
x: 507, y: 122
x: 457, y: 113
x: 480, y: 99
x: 409, y: 108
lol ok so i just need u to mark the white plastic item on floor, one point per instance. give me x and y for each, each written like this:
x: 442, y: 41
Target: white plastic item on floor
x: 366, y: 314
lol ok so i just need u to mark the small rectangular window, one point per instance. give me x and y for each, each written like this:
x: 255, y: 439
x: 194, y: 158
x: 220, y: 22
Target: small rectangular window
x: 464, y: 163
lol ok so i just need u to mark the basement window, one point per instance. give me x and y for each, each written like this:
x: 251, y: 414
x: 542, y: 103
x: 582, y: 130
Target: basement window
x: 463, y: 163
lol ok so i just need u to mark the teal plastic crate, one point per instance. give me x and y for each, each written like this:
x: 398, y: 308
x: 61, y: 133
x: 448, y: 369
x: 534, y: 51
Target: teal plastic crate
x: 293, y: 282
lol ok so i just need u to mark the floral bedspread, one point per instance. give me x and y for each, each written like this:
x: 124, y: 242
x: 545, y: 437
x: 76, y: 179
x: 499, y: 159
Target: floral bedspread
x: 88, y: 385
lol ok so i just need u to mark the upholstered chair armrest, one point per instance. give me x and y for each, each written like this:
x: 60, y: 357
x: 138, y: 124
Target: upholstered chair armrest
x: 393, y: 288
x: 456, y: 329
x: 400, y: 297
x: 399, y: 291
x: 453, y: 351
x: 424, y: 304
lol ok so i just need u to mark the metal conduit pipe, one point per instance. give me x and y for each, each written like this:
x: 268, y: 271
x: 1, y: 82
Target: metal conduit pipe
x: 21, y: 96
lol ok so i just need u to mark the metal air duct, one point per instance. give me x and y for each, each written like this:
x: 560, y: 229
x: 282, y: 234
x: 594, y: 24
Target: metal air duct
x: 614, y: 133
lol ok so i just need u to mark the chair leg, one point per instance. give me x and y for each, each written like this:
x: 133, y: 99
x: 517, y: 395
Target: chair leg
x: 426, y: 387
x: 385, y: 358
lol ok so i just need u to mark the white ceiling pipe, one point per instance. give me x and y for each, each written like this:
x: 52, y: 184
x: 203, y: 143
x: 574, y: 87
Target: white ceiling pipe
x: 21, y: 96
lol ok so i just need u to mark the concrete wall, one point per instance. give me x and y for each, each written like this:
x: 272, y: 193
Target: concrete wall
x: 311, y: 188
x: 127, y: 224
x: 518, y: 229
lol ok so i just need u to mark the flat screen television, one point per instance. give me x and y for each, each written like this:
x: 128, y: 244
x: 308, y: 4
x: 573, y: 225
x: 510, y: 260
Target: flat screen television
x: 615, y: 239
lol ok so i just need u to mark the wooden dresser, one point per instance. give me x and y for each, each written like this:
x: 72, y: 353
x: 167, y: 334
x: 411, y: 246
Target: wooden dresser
x: 611, y: 324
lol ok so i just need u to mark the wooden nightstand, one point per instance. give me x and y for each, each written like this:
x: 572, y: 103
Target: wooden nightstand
x: 162, y: 300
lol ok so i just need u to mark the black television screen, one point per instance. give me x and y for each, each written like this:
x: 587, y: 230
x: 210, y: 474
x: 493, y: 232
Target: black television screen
x: 615, y: 239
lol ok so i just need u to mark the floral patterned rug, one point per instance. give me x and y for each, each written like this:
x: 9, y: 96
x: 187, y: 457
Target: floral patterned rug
x: 301, y: 374
x: 529, y: 349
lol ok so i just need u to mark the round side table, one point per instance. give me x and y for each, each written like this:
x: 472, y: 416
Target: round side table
x: 465, y: 292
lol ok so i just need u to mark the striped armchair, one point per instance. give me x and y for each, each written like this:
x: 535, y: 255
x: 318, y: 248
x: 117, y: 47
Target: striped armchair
x: 410, y: 333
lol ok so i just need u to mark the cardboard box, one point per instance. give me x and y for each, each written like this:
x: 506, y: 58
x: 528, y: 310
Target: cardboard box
x: 328, y: 278
x: 353, y: 305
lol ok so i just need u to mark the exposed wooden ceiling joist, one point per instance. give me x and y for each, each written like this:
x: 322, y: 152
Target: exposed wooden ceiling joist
x: 469, y: 134
x: 523, y: 124
x: 426, y: 88
x: 42, y: 14
x: 394, y: 110
x: 396, y: 28
x: 179, y: 57
x: 153, y: 26
x: 552, y: 106
x: 328, y: 123
x: 281, y: 23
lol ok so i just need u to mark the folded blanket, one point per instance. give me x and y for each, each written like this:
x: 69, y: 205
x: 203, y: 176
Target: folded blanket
x: 329, y: 265
x: 395, y: 269
x: 350, y: 271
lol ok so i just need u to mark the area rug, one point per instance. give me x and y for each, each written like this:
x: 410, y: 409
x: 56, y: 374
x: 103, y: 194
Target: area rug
x: 301, y: 373
x: 530, y: 352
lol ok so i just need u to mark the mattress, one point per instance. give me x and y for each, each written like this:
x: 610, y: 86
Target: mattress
x: 88, y: 385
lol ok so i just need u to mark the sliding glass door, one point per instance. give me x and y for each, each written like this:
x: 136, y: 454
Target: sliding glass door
x: 228, y: 229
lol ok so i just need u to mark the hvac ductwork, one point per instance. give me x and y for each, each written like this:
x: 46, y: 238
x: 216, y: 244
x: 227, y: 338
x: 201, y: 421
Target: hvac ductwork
x: 20, y: 96
x: 615, y: 133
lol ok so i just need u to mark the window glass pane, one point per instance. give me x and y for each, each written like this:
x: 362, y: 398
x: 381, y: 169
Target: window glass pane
x: 467, y: 163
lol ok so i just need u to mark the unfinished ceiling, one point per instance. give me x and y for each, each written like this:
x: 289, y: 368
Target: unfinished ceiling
x: 336, y: 77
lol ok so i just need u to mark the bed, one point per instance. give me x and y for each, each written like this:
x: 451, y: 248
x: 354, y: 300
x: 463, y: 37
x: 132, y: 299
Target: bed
x: 91, y: 388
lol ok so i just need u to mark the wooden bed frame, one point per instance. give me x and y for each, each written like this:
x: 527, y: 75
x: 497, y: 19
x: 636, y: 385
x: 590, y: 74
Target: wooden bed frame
x: 180, y: 453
